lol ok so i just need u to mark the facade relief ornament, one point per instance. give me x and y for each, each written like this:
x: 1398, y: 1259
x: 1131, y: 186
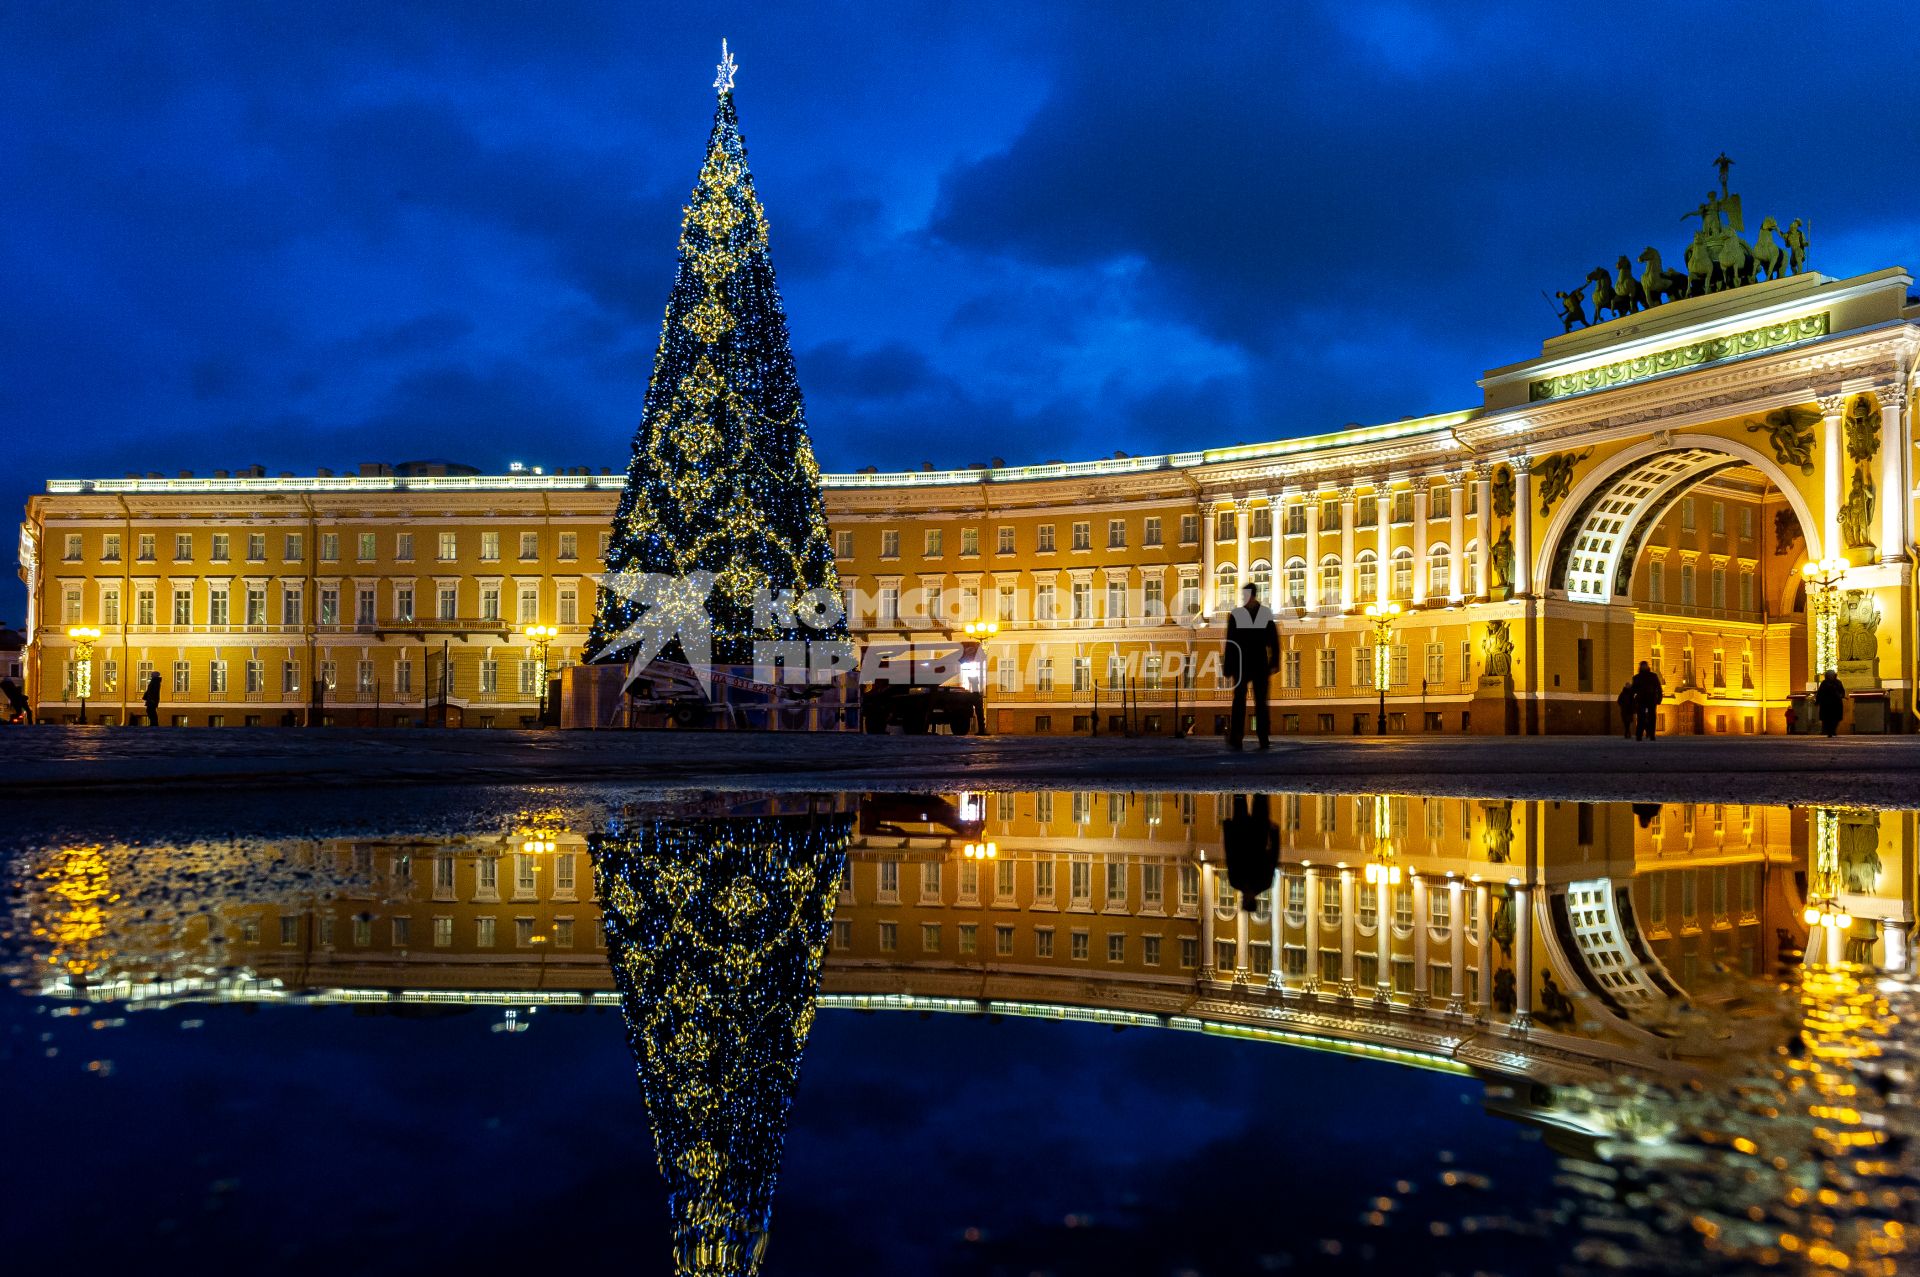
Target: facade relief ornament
x: 1556, y: 477
x: 1863, y: 428
x: 1786, y: 531
x: 1503, y: 492
x: 1859, y: 636
x: 1790, y: 432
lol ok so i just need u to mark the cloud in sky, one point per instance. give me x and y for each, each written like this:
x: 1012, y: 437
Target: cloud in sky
x: 318, y: 235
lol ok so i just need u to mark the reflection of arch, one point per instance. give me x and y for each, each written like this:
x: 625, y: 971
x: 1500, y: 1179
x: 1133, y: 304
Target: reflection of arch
x: 1589, y: 548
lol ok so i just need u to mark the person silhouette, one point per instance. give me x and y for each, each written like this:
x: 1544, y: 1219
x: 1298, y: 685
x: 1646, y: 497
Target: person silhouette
x: 1252, y: 844
x: 1252, y: 654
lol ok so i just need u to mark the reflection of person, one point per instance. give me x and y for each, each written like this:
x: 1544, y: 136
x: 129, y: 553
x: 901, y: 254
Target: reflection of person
x: 1252, y: 654
x: 1629, y: 703
x: 152, y: 699
x: 1253, y: 848
x: 1647, y: 695
x: 1831, y: 699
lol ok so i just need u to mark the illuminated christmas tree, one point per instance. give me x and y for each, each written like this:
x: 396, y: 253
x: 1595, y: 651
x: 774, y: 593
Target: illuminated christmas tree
x: 716, y: 926
x: 723, y: 479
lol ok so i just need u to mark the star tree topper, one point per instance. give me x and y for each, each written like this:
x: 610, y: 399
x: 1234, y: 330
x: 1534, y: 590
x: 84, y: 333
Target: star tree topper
x: 723, y: 79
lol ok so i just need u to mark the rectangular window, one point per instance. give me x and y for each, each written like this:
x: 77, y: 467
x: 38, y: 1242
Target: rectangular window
x: 1116, y: 534
x: 1005, y: 541
x: 294, y: 547
x: 403, y: 604
x: 489, y: 677
x: 73, y: 550
x: 217, y: 605
x: 890, y: 544
x: 1150, y: 534
x: 330, y: 546
x: 219, y: 554
x: 529, y: 546
x: 1189, y: 529
x: 403, y: 677
x: 182, y: 547
x: 449, y: 597
x: 292, y: 605
x: 970, y: 541
x: 403, y: 547
x: 1290, y: 666
x: 110, y: 548
x: 935, y: 540
x: 484, y: 935
x: 289, y: 676
x: 528, y: 606
x: 842, y: 545
x: 930, y: 937
x: 216, y: 676
x: 449, y: 547
x: 364, y: 677
x: 489, y: 547
x: 143, y: 605
x: 1328, y: 672
x: 969, y: 937
x: 329, y: 605
x: 367, y: 548
x: 182, y: 678
x: 1080, y: 946
x: 256, y: 677
x: 1043, y: 538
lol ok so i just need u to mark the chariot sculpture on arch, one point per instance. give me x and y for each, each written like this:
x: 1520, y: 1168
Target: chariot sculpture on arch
x: 1717, y: 258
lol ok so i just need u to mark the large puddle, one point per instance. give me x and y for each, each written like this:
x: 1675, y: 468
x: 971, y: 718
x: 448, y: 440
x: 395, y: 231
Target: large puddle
x: 1053, y: 1032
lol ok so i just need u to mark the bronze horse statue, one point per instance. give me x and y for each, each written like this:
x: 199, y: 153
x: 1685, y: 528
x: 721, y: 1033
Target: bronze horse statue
x: 1658, y: 283
x: 1769, y: 256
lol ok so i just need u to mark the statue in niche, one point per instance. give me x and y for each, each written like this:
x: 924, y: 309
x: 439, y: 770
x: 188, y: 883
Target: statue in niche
x: 1555, y: 476
x: 1503, y: 492
x: 1790, y: 431
x: 1862, y: 424
x: 1858, y: 639
x: 1498, y: 838
x: 1500, y: 562
x: 1859, y: 852
x: 1786, y: 531
x: 1500, y: 921
x: 1496, y: 651
x: 1856, y: 513
x: 1554, y: 1006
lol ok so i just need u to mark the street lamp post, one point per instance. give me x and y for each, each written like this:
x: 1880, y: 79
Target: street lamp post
x: 981, y: 632
x: 1381, y: 615
x: 541, y: 636
x: 83, y: 637
x: 1823, y: 601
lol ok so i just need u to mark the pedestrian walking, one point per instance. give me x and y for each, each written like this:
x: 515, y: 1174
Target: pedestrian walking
x: 1629, y: 703
x: 152, y: 698
x: 1648, y: 692
x: 1252, y: 654
x: 1831, y: 699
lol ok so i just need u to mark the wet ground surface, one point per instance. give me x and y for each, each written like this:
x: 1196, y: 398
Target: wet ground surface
x: 1859, y: 771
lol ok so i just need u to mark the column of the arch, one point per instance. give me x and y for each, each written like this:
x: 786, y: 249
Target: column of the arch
x: 1833, y: 478
x: 1347, y: 910
x: 1383, y: 941
x: 1276, y: 933
x: 1523, y: 525
x: 1522, y: 960
x: 1420, y: 488
x: 1896, y: 493
x: 1457, y: 531
x: 1312, y: 982
x: 1346, y: 548
x: 1240, y: 939
x: 1483, y: 534
x: 1383, y: 551
x: 1457, y: 934
x: 1242, y: 512
x: 1208, y: 555
x: 1313, y: 551
x: 1482, y: 901
x: 1422, y: 987
x: 1208, y: 973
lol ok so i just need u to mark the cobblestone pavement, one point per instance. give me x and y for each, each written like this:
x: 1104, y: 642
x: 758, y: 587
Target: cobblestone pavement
x: 1862, y: 771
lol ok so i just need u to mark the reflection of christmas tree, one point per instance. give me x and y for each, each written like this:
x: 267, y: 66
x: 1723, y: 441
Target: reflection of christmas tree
x: 723, y: 478
x: 716, y: 926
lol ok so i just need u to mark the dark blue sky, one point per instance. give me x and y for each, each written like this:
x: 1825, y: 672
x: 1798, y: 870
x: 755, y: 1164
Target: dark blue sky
x: 318, y: 234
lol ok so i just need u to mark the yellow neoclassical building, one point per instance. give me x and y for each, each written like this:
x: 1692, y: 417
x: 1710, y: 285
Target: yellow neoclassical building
x: 1653, y: 488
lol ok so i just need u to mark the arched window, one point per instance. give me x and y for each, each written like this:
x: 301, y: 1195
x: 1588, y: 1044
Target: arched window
x: 1261, y: 578
x: 1470, y: 570
x: 1367, y: 587
x: 1330, y: 580
x: 1403, y: 573
x: 1439, y: 572
x: 1296, y: 582
x: 1225, y: 587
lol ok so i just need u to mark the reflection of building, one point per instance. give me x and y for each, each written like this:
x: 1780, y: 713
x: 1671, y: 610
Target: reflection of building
x: 1646, y: 489
x: 1521, y: 937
